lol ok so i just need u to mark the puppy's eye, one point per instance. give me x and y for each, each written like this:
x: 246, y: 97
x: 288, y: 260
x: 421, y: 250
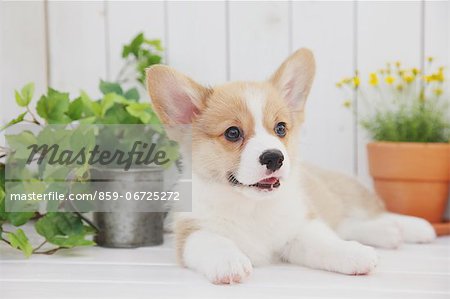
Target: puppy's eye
x: 233, y: 134
x: 280, y: 129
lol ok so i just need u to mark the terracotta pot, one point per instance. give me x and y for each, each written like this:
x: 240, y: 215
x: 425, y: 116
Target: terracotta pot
x: 412, y: 178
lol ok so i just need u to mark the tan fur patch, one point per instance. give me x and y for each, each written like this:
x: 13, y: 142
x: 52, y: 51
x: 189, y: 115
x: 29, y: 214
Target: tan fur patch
x: 276, y: 110
x: 225, y: 107
x: 183, y: 229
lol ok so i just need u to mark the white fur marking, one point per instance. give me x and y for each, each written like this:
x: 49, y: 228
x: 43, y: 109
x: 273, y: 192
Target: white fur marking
x: 317, y: 246
x: 378, y: 232
x: 413, y: 229
x: 250, y: 169
x: 216, y: 257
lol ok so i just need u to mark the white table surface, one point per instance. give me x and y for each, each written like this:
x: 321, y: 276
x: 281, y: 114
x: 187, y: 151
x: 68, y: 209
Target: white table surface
x: 413, y: 271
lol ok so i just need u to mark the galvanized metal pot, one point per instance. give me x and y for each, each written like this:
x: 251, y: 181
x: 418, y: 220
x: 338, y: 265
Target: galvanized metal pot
x: 123, y: 228
x: 129, y: 229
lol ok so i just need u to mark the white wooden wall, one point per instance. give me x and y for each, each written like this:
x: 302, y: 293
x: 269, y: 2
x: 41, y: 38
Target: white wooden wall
x: 70, y: 45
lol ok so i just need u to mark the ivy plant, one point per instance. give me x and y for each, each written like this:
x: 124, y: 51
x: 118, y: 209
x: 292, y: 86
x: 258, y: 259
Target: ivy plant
x: 117, y: 105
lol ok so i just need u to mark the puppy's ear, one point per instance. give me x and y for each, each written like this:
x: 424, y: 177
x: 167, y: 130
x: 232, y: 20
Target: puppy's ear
x: 294, y: 78
x: 176, y: 98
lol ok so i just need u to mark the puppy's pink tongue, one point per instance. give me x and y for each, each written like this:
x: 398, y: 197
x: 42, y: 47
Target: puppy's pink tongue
x: 269, y: 181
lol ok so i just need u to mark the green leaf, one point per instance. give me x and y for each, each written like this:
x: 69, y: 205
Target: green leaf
x: 20, y: 142
x: 54, y: 106
x: 155, y: 43
x: 53, y: 224
x: 110, y: 87
x: 27, y: 93
x: 76, y: 109
x: 63, y: 229
x: 24, y: 138
x: 15, y: 121
x: 3, y: 214
x: 2, y: 176
x: 88, y: 120
x: 109, y: 100
x: 141, y: 111
x: 118, y: 115
x: 20, y: 241
x: 19, y: 218
x: 107, y: 103
x: 91, y: 108
x: 19, y: 100
x: 132, y: 94
x: 133, y: 47
x: 23, y: 210
x: 172, y: 153
x: 71, y: 241
x: 15, y: 218
x: 153, y: 59
x: 82, y: 137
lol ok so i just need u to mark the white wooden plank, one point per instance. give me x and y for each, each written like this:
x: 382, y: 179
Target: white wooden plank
x: 327, y: 29
x: 414, y: 271
x: 421, y: 258
x: 271, y: 276
x: 197, y: 40
x: 437, y: 38
x: 77, y: 45
x: 387, y: 32
x: 124, y: 21
x: 259, y: 38
x: 23, y: 53
x: 437, y: 35
x: 425, y: 260
x: 95, y: 289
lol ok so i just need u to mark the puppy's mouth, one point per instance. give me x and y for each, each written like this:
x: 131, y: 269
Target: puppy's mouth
x: 267, y: 184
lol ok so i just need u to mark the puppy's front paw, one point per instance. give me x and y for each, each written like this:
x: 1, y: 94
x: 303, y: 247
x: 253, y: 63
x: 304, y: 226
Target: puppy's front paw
x: 385, y: 234
x: 418, y: 231
x: 227, y: 267
x: 355, y: 259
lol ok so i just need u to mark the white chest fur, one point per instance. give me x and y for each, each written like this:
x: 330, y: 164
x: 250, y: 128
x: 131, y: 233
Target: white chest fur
x: 259, y: 227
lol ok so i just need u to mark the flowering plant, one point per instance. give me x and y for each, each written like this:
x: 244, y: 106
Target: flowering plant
x: 402, y: 104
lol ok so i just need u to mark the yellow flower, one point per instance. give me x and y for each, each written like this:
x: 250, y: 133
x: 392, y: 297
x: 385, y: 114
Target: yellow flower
x: 373, y: 79
x: 397, y: 64
x: 347, y: 103
x: 429, y: 78
x: 415, y: 71
x: 399, y: 87
x: 408, y: 77
x: 356, y: 81
x: 438, y: 91
x: 440, y: 75
x: 389, y: 80
x: 430, y: 59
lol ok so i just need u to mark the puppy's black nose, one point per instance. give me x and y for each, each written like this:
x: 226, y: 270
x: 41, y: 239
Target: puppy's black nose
x: 273, y: 159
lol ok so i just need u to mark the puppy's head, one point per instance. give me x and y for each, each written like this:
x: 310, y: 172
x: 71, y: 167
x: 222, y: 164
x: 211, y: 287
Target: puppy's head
x: 244, y: 134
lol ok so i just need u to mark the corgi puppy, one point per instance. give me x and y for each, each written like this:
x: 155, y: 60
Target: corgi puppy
x: 254, y: 202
